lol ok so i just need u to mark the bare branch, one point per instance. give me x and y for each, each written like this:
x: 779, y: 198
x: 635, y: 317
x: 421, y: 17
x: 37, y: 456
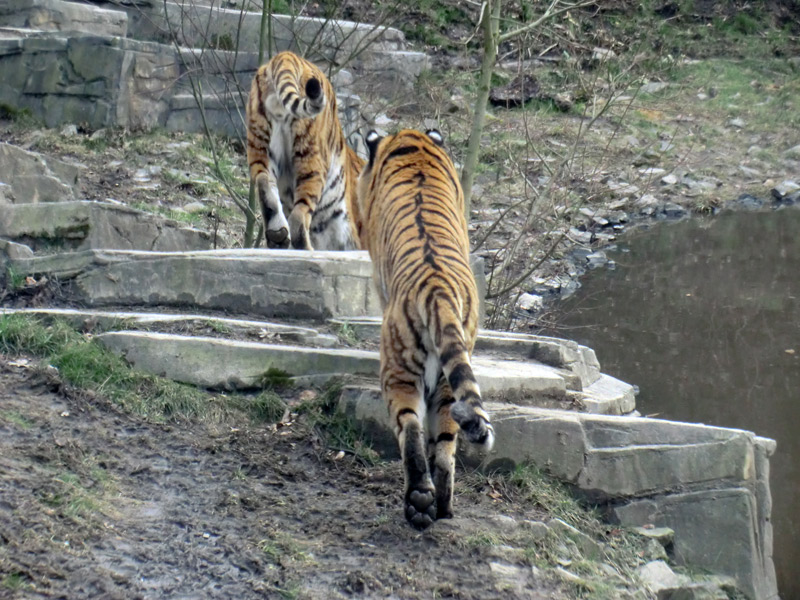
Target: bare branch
x: 548, y: 14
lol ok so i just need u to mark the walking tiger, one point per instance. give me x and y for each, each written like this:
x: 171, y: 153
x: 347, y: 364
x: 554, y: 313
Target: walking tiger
x: 298, y: 158
x: 411, y: 220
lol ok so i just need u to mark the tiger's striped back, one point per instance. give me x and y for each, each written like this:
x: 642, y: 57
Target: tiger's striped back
x: 298, y: 158
x: 411, y: 219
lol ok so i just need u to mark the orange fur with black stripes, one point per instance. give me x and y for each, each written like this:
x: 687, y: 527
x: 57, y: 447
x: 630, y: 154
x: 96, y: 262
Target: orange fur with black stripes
x: 411, y: 219
x: 298, y: 158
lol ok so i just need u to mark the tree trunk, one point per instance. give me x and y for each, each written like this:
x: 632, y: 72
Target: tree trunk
x: 264, y: 39
x: 490, y: 24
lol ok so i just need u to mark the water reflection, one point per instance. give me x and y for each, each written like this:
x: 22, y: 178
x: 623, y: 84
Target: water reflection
x: 704, y: 316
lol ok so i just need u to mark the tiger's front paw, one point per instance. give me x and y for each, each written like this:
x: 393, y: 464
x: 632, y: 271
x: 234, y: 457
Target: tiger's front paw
x: 420, y: 506
x: 278, y: 238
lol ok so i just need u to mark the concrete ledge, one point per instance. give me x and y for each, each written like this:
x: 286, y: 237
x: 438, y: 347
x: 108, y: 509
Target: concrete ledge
x: 84, y: 225
x: 229, y: 364
x: 554, y: 352
x: 108, y: 320
x: 224, y: 364
x: 270, y: 283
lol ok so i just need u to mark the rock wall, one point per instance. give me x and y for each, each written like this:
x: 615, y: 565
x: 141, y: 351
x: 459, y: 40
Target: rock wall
x: 71, y: 63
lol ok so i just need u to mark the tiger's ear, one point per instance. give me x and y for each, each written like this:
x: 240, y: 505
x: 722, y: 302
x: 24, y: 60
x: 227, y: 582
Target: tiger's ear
x: 436, y: 136
x: 373, y: 139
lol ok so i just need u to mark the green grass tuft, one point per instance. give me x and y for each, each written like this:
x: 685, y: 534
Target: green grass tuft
x: 84, y: 363
x: 276, y: 379
x: 15, y: 582
x: 16, y: 418
x: 267, y: 407
x: 335, y: 427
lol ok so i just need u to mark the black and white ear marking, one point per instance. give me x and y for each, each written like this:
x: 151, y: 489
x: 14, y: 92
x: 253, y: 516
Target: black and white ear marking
x: 373, y: 139
x: 436, y: 136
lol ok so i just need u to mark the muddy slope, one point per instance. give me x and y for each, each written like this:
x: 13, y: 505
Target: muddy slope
x: 94, y: 503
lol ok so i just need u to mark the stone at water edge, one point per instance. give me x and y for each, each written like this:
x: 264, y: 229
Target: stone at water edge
x: 784, y: 189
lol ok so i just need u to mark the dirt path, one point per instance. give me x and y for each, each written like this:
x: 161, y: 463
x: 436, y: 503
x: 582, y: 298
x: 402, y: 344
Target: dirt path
x: 94, y: 503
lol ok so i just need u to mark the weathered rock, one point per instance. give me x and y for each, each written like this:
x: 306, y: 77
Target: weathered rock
x: 669, y: 179
x: 588, y: 547
x: 225, y: 364
x: 14, y: 251
x: 580, y: 237
x: 715, y: 529
x: 511, y: 578
x: 518, y: 92
x: 653, y: 87
x: 530, y: 302
x: 30, y: 178
x: 746, y: 202
x: 388, y: 73
x: 784, y: 189
x: 608, y: 395
x: 657, y: 576
x: 673, y: 211
x: 663, y: 535
x: 58, y: 15
x: 85, y: 225
x: 602, y: 54
x: 793, y: 152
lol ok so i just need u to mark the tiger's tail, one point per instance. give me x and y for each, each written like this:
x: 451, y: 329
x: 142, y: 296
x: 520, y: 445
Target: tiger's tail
x: 467, y: 409
x: 287, y: 82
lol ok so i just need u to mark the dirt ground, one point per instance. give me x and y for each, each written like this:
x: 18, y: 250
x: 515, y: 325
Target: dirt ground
x: 97, y: 504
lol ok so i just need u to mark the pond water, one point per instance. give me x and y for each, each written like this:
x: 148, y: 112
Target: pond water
x: 704, y: 316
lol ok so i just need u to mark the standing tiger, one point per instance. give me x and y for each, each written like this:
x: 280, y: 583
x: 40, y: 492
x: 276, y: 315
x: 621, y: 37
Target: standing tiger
x: 411, y: 219
x: 299, y: 161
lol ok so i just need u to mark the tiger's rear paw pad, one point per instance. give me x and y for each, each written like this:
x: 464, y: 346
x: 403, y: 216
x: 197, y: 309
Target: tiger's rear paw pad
x: 278, y: 238
x: 420, y: 508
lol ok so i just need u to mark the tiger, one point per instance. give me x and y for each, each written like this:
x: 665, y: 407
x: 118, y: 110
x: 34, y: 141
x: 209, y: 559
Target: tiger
x: 298, y: 159
x: 411, y: 221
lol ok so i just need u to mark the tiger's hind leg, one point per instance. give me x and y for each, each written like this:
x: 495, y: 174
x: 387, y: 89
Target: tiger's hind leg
x: 276, y: 228
x: 307, y: 194
x: 443, y: 431
x: 405, y: 406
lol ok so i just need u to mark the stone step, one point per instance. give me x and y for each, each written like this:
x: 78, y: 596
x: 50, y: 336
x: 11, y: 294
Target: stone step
x: 81, y: 225
x: 230, y: 29
x: 223, y: 109
x: 222, y: 112
x: 708, y: 484
x: 293, y: 284
x: 59, y: 15
x: 99, y: 320
x: 608, y: 395
x: 523, y: 383
x: 566, y: 355
x: 231, y: 364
